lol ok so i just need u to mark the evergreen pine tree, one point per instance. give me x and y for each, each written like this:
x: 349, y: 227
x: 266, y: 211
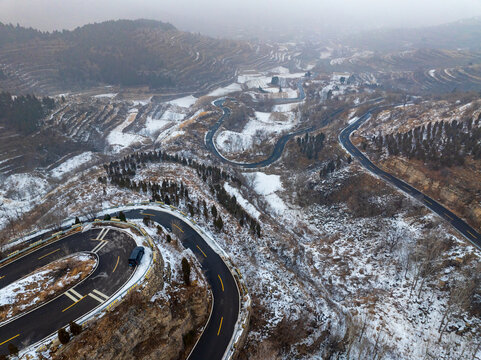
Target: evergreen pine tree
x: 122, y: 216
x: 63, y: 336
x: 186, y: 271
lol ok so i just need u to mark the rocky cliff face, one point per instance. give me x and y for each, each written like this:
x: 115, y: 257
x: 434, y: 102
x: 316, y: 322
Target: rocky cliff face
x: 457, y: 188
x: 152, y: 324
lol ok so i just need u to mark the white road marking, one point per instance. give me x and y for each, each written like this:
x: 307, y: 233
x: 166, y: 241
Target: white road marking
x: 105, y: 233
x: 100, y: 246
x: 75, y: 293
x: 96, y: 298
x: 100, y: 294
x: 100, y: 234
x: 74, y: 299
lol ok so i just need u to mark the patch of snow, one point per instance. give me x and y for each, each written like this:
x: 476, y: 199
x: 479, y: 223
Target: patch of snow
x: 234, y: 87
x: 276, y: 204
x: 71, y: 164
x: 172, y: 115
x: 109, y: 95
x: 185, y: 102
x: 266, y: 186
x: 285, y: 107
x: 22, y: 188
x: 465, y: 107
x: 267, y: 123
x: 141, y: 102
x: 281, y: 70
x: 177, y: 133
x: 325, y: 55
x: 120, y: 140
x: 338, y: 61
x: 256, y: 131
x: 233, y: 142
x: 246, y: 205
x: 293, y: 76
x: 153, y: 125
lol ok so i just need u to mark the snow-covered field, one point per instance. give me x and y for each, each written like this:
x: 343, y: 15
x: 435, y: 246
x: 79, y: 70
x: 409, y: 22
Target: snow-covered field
x: 264, y: 127
x: 228, y: 141
x: 255, y: 80
x: 107, y: 96
x: 251, y: 209
x: 267, y: 186
x: 71, y: 164
x: 185, y: 102
x: 20, y: 193
x: 118, y: 139
x: 234, y: 87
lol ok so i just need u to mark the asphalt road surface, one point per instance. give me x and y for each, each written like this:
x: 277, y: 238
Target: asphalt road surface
x: 220, y: 328
x: 280, y: 144
x: 278, y: 148
x: 344, y: 137
x: 111, y: 273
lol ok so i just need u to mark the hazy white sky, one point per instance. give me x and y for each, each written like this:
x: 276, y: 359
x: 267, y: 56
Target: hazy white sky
x: 211, y: 15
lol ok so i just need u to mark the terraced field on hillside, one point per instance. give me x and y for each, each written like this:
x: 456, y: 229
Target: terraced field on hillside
x: 422, y: 70
x: 143, y: 54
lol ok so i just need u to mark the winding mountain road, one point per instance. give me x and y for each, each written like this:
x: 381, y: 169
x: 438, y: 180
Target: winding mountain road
x: 274, y: 156
x: 344, y: 138
x: 113, y: 249
x: 280, y: 144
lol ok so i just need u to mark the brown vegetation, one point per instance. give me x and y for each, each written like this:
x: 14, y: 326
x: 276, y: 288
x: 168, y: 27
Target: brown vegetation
x: 140, y: 328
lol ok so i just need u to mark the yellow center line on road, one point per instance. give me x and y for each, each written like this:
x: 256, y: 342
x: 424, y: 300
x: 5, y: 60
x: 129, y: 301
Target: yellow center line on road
x: 115, y: 268
x: 220, y: 325
x: 203, y: 253
x: 221, y: 283
x: 450, y: 218
x: 6, y: 341
x: 83, y: 297
x: 50, y: 253
x: 1, y: 277
x: 178, y: 228
x: 147, y: 214
x: 427, y: 201
x: 470, y: 233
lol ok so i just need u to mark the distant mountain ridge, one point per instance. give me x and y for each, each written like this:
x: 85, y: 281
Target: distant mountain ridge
x: 462, y: 34
x: 122, y: 52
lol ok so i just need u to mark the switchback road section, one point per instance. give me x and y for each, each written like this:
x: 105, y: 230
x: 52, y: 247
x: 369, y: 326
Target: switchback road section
x: 112, y: 248
x: 111, y: 273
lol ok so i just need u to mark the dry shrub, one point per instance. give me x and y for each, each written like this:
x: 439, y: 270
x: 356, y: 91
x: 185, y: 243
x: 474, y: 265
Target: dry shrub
x: 290, y: 332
